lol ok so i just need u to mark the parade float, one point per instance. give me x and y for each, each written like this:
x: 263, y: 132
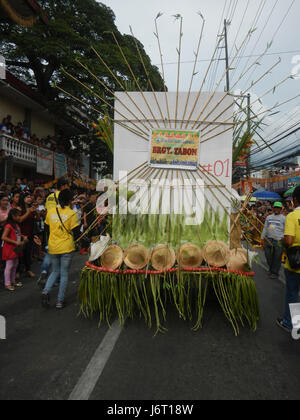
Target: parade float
x: 171, y: 239
x: 172, y: 233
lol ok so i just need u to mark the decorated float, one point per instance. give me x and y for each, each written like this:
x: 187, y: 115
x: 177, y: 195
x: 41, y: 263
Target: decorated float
x: 175, y: 218
x: 173, y: 230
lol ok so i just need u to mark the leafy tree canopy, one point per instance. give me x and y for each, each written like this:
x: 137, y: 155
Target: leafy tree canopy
x: 38, y: 55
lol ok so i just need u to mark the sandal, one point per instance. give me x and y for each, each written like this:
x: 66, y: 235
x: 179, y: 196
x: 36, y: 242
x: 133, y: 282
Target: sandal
x: 10, y: 288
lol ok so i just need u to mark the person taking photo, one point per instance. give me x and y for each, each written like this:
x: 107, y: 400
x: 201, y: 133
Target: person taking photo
x: 63, y: 227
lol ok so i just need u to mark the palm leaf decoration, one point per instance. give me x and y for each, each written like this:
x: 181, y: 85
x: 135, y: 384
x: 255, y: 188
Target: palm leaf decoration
x: 104, y: 131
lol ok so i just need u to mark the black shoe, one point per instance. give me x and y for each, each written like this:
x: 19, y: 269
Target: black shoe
x: 280, y: 324
x: 42, y: 280
x: 46, y: 300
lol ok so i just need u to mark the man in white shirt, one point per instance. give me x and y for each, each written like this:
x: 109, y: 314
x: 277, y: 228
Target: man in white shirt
x: 272, y: 236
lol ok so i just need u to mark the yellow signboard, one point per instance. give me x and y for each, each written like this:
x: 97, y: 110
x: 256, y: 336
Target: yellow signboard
x: 177, y: 149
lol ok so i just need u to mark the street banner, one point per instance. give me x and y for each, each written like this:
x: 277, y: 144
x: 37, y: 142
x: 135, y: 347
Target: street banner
x: 85, y: 165
x: 73, y: 165
x: 44, y: 163
x: 60, y: 165
x: 247, y: 187
x: 174, y: 149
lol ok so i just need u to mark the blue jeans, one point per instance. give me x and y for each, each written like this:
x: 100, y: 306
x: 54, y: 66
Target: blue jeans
x: 273, y: 253
x: 46, y: 264
x: 60, y: 269
x: 292, y: 295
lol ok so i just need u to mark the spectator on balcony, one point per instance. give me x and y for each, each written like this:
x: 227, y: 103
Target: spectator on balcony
x: 10, y: 130
x: 4, y: 126
x: 2, y: 164
x: 19, y: 130
x: 48, y: 142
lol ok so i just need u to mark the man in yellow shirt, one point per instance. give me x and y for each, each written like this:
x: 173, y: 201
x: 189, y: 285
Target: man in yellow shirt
x: 291, y: 239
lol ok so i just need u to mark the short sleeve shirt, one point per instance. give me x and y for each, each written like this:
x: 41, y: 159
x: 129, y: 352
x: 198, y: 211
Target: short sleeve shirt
x: 61, y: 239
x: 292, y: 228
x: 51, y: 202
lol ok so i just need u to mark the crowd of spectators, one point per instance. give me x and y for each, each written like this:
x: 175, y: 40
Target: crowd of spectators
x: 285, y: 170
x: 31, y: 201
x: 22, y: 132
x: 257, y: 213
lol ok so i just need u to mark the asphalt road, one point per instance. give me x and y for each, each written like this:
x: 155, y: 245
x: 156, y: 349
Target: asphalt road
x: 46, y: 352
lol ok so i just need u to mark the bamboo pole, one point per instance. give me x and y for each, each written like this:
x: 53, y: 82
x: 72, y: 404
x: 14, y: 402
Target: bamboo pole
x: 224, y: 96
x: 103, y: 100
x: 193, y: 73
x: 255, y: 116
x: 149, y: 80
x: 210, y: 177
x: 119, y: 83
x: 134, y: 77
x: 223, y: 76
x: 163, y: 70
x: 178, y: 71
x: 101, y: 113
x: 113, y: 94
x: 202, y: 85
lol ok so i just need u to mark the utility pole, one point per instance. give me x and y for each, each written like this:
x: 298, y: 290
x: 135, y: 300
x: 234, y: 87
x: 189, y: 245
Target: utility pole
x: 226, y: 56
x: 225, y: 35
x: 227, y: 89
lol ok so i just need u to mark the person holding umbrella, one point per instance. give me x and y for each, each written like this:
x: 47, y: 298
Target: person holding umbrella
x: 272, y: 236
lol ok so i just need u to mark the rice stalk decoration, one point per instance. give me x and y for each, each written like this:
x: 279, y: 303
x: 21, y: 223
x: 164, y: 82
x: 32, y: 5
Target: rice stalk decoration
x: 136, y: 293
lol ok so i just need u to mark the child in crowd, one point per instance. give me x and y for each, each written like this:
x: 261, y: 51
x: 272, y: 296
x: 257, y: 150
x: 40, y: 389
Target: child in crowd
x: 13, y: 242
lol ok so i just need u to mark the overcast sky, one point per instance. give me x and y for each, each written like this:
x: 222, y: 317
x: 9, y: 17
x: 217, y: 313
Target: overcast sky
x: 275, y: 20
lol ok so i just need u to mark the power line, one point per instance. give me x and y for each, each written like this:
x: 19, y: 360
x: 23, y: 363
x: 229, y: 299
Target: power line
x: 278, y: 140
x: 244, y: 56
x: 290, y: 153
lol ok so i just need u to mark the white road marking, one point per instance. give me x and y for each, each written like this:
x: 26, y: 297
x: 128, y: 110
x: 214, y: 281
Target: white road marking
x: 90, y: 377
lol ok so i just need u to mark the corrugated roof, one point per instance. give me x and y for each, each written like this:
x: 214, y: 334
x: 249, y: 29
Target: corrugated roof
x: 23, y: 12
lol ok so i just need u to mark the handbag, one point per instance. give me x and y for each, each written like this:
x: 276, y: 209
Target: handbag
x: 293, y: 254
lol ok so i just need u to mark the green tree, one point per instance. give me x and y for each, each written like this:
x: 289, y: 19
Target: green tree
x: 39, y: 54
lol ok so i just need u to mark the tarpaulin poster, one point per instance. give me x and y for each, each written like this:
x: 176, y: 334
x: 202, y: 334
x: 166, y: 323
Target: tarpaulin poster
x: 174, y: 149
x: 44, y: 162
x: 60, y: 165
